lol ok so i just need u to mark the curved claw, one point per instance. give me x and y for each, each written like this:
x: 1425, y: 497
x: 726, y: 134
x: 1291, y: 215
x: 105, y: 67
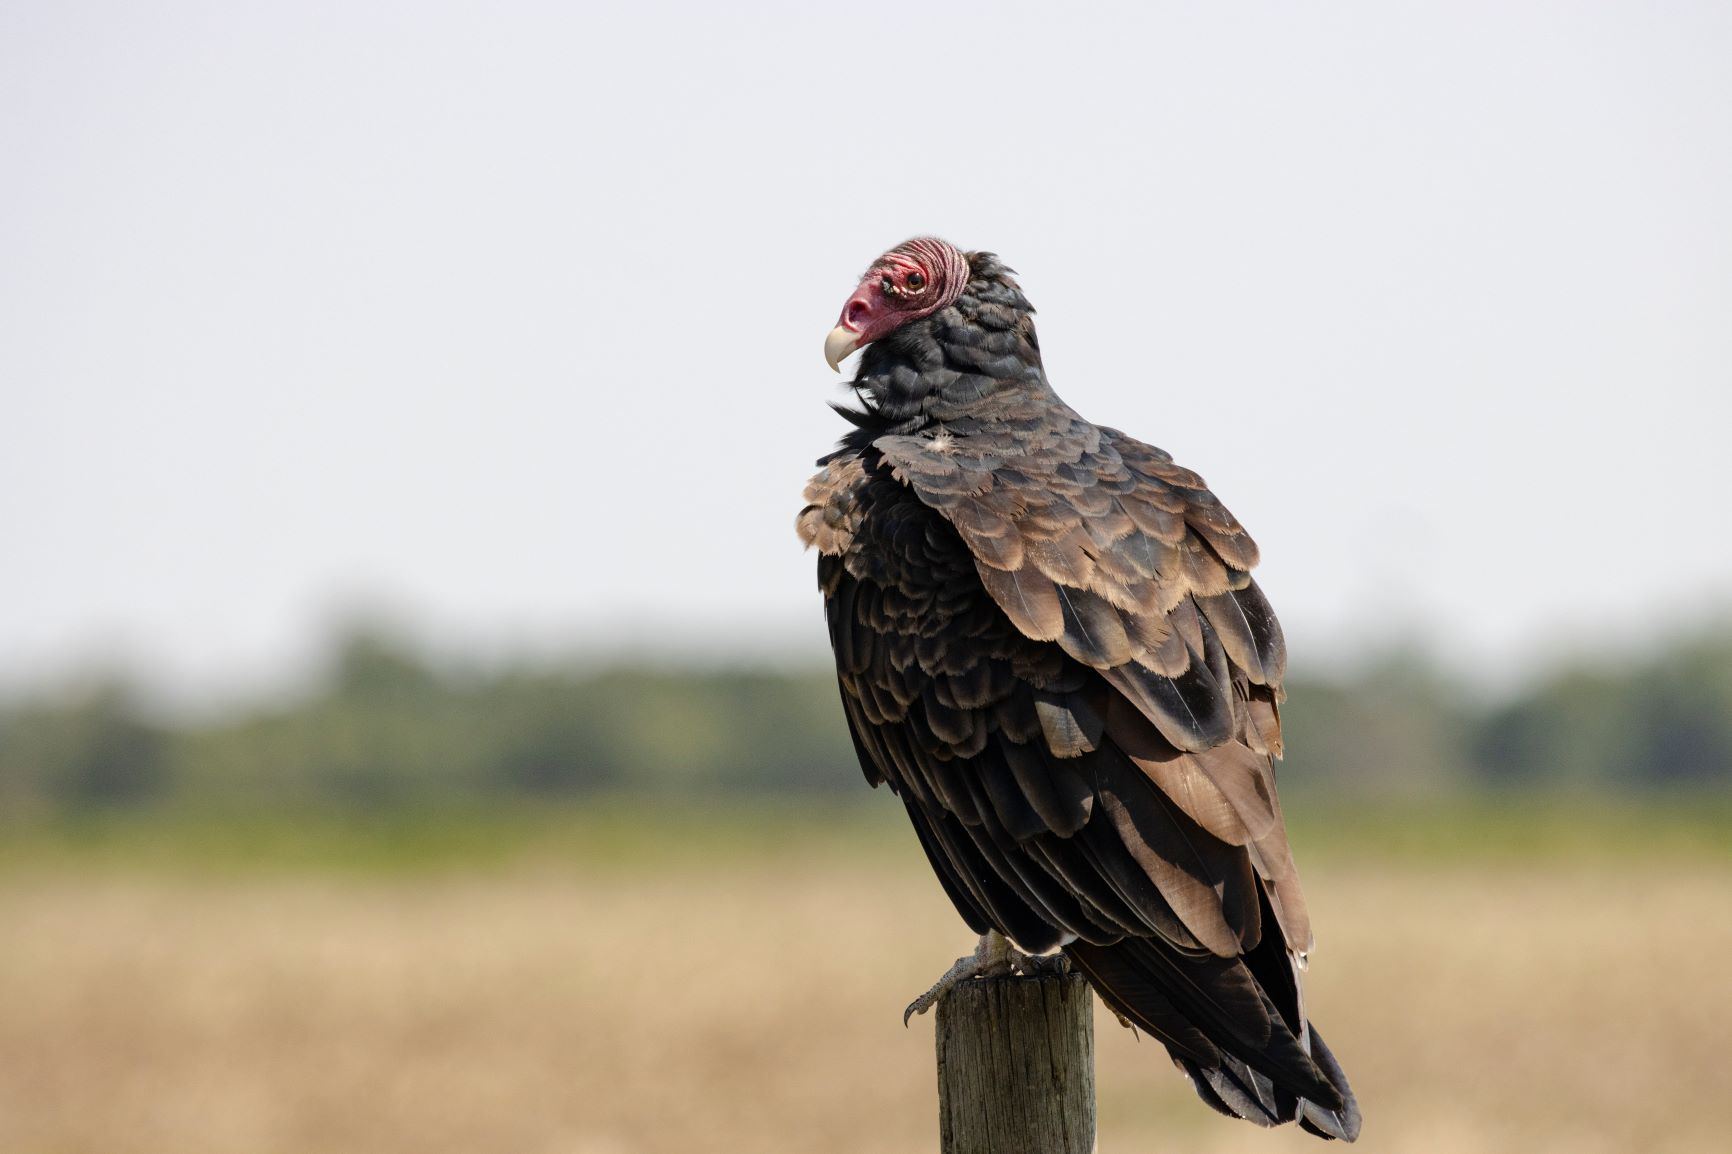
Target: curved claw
x: 992, y: 958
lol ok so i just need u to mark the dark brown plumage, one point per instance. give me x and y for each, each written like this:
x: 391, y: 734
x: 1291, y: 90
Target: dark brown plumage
x: 1049, y: 645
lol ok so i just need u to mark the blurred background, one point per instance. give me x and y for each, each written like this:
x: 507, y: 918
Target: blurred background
x: 415, y: 731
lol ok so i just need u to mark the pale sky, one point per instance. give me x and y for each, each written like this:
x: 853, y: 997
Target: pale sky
x: 509, y: 316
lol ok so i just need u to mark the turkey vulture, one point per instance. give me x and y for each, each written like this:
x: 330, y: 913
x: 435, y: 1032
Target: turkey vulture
x: 1050, y: 647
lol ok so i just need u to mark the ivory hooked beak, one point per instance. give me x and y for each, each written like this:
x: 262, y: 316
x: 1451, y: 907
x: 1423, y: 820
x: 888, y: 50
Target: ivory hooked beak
x: 838, y: 345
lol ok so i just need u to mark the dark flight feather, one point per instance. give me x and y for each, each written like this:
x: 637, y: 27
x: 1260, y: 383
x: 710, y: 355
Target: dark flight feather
x: 1049, y: 645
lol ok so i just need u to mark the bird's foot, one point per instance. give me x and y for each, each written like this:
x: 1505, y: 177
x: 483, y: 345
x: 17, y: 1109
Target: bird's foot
x: 994, y: 957
x: 991, y: 959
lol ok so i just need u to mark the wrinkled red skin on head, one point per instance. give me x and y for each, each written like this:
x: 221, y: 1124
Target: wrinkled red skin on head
x: 886, y: 300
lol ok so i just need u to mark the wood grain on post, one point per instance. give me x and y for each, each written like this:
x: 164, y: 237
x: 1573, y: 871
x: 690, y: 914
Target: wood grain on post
x: 1016, y: 1066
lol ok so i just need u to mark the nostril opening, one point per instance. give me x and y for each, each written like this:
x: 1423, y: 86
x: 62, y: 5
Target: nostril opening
x: 857, y: 310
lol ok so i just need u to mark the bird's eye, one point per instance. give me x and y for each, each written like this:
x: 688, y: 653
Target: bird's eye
x: 916, y: 280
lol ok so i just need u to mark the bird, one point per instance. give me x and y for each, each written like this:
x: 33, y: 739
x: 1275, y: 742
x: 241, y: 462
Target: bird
x: 1050, y: 648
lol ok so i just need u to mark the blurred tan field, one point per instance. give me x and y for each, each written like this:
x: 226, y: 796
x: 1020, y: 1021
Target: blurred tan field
x: 740, y: 998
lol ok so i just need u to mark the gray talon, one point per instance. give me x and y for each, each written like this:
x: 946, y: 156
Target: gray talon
x: 994, y: 957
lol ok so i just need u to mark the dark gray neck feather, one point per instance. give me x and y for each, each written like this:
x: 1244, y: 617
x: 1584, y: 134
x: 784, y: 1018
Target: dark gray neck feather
x: 967, y: 366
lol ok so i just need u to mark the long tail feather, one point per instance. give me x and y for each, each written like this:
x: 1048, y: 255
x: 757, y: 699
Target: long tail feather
x: 1180, y: 1001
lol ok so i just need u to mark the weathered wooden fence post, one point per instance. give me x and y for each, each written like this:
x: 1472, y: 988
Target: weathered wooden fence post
x: 1016, y: 1066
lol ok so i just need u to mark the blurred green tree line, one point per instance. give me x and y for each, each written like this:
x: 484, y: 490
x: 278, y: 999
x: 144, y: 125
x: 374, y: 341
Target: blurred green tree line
x: 390, y: 728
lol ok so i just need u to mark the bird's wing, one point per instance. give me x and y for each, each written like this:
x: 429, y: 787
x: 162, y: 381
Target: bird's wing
x: 1130, y: 565
x: 1059, y: 662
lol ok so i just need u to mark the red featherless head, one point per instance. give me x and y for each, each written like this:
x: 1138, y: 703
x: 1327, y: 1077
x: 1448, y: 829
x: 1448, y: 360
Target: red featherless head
x: 913, y: 280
